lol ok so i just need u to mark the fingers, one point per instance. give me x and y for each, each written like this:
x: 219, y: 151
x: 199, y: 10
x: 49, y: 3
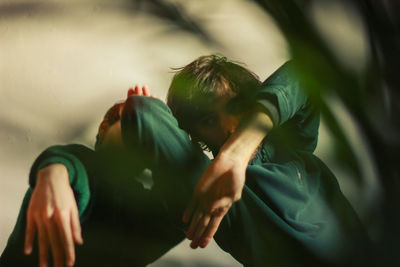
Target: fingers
x: 212, y: 228
x: 43, y: 245
x: 59, y: 232
x: 29, y: 235
x: 65, y: 232
x: 139, y: 90
x: 76, y: 227
x: 201, y: 227
x: 205, y: 227
x: 193, y: 225
x: 220, y: 205
x: 146, y: 91
x: 55, y: 244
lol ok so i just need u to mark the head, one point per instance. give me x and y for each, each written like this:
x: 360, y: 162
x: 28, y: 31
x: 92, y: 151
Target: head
x: 110, y: 128
x: 209, y: 96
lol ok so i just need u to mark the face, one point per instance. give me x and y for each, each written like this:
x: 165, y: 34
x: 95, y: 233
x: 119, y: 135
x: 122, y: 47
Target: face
x: 215, y: 127
x: 109, y: 133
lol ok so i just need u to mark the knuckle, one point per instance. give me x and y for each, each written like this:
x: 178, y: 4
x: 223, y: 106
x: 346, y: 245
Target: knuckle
x: 224, y: 210
x: 64, y: 213
x: 45, y: 215
x: 219, y: 212
x: 61, y: 213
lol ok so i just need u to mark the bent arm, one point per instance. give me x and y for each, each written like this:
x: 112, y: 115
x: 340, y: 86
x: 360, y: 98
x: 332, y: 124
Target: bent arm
x: 60, y: 184
x: 289, y: 106
x: 222, y: 182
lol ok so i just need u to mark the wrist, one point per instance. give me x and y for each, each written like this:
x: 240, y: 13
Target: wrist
x: 239, y: 152
x: 51, y: 173
x: 242, y: 144
x: 232, y: 158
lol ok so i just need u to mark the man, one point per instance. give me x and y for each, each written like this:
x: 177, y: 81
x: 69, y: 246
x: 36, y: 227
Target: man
x: 265, y: 197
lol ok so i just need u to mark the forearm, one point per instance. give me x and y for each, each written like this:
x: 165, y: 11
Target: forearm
x: 250, y: 133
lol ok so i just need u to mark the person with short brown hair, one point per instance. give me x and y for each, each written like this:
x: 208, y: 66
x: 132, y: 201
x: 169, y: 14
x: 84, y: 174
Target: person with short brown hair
x: 265, y: 197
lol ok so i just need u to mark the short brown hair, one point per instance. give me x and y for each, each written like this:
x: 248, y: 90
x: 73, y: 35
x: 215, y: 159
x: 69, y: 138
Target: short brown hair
x: 205, y: 80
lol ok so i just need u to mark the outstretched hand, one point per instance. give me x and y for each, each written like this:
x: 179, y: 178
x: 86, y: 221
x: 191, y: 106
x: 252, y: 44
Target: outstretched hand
x: 220, y: 185
x: 53, y: 213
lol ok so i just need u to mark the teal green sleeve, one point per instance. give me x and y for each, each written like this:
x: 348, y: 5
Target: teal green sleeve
x: 77, y: 159
x: 288, y: 104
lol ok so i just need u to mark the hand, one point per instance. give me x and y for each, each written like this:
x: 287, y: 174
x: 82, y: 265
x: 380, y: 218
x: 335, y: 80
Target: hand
x: 139, y: 90
x: 220, y: 185
x: 53, y: 213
